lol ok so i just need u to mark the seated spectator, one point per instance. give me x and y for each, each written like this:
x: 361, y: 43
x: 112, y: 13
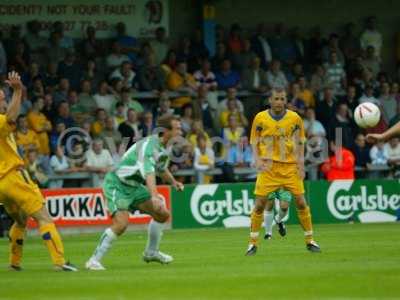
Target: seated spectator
x: 92, y: 73
x: 130, y: 128
x: 50, y: 77
x: 99, y: 124
x: 32, y: 73
x: 64, y: 115
x: 78, y: 113
x: 379, y: 154
x: 150, y: 76
x: 342, y: 120
x: 49, y: 109
x: 361, y: 151
x: 104, y: 98
x: 186, y: 53
x: 340, y: 164
x: 351, y: 98
x: 116, y: 58
x: 235, y: 41
x: 144, y: 53
x: 254, y: 79
x: 319, y: 80
x: 59, y: 128
x: 86, y: 101
x: 20, y: 59
x: 202, y: 110
x: 35, y: 169
x: 232, y: 134
x: 325, y: 110
x: 26, y: 138
x: 275, y: 77
x: 120, y: 113
x: 70, y: 69
x: 312, y: 127
x: 371, y: 62
x: 240, y: 155
x: 125, y: 73
x: 294, y: 72
x: 128, y: 44
x: 197, y: 129
x: 396, y: 118
x: 295, y: 103
x: 38, y: 122
x: 187, y: 118
x: 203, y: 157
x: 61, y: 93
x: 147, y: 125
x: 77, y: 157
x: 59, y: 165
x: 128, y: 102
x: 66, y: 41
x: 226, y: 77
x: 205, y: 76
x: 37, y: 88
x: 349, y: 42
x: 55, y: 52
x: 110, y: 135
x: 36, y: 43
x: 164, y: 106
x: 231, y: 94
x: 393, y: 152
x: 160, y: 44
x: 335, y: 73
x: 305, y: 93
x: 98, y: 159
x: 232, y: 111
x: 388, y: 103
x: 170, y: 62
x: 183, y: 82
x: 220, y: 55
x: 369, y: 96
x: 244, y: 59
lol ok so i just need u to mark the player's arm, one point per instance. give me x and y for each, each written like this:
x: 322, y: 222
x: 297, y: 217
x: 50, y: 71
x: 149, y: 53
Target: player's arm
x: 391, y: 132
x: 255, y: 136
x: 14, y: 81
x: 300, y: 139
x: 167, y: 176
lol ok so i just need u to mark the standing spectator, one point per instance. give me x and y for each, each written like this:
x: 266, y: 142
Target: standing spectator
x: 147, y: 124
x: 226, y: 77
x: 232, y: 110
x: 361, y: 151
x: 185, y: 53
x: 231, y: 136
x: 66, y: 41
x: 204, y: 157
x: 183, y: 82
x: 371, y: 62
x: 20, y: 59
x: 261, y: 46
x: 36, y: 43
x: 333, y: 46
x: 70, y: 69
x: 349, y: 43
x: 197, y: 129
x: 299, y: 45
x: 99, y: 124
x: 40, y: 125
x: 51, y: 78
x: 98, y: 159
x: 151, y: 77
x: 3, y: 59
x: 92, y: 47
x: 187, y: 118
x: 235, y: 42
x: 128, y: 44
x: 325, y: 110
x: 371, y: 36
x: 254, y: 79
x: 26, y: 138
x: 387, y: 102
x: 282, y: 47
x: 116, y: 57
x: 313, y: 127
x: 160, y: 45
x: 315, y: 44
x: 205, y: 76
x: 305, y: 93
x: 351, y: 98
x: 275, y: 77
x: 335, y: 73
x: 64, y: 115
x: 342, y: 121
x: 125, y: 73
x: 295, y: 103
x: 340, y: 164
x: 130, y: 128
x: 58, y: 130
x: 54, y: 52
x: 104, y: 99
x: 59, y: 165
x: 61, y: 93
x: 202, y: 109
x: 319, y: 80
x: 243, y: 60
x: 220, y: 55
x: 92, y: 73
x: 379, y: 154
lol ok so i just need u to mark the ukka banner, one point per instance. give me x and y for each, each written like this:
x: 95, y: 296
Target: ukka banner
x: 87, y: 207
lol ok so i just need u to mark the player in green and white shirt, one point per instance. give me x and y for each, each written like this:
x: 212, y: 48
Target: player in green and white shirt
x: 132, y: 186
x: 280, y: 199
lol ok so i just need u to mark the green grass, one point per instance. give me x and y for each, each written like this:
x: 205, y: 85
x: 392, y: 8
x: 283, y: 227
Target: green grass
x: 358, y: 262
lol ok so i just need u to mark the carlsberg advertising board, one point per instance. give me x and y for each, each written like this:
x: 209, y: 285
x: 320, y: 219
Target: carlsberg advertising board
x: 230, y: 205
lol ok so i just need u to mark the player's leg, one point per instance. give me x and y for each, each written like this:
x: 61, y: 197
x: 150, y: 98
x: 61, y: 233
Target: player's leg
x: 119, y: 224
x: 16, y: 235
x: 256, y: 219
x: 160, y: 214
x: 304, y: 215
x: 285, y: 198
x: 269, y: 216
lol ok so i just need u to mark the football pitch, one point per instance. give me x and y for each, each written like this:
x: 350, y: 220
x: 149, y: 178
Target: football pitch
x: 359, y: 261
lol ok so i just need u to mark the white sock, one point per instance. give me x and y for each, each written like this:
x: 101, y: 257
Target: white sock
x: 105, y: 244
x: 268, y: 220
x: 154, y: 237
x: 281, y: 215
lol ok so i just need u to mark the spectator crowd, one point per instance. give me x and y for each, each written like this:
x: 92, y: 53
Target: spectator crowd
x: 117, y: 89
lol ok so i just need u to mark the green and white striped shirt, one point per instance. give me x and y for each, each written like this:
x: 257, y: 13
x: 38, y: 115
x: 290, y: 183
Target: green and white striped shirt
x: 146, y: 156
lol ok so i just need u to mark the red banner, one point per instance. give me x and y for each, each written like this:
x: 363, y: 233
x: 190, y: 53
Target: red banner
x: 87, y: 207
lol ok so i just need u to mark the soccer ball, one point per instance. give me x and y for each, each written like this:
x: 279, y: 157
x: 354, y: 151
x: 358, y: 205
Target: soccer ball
x: 367, y: 115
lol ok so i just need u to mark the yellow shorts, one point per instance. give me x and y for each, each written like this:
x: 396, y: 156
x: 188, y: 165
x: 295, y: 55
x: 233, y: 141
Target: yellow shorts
x: 19, y: 192
x: 279, y: 175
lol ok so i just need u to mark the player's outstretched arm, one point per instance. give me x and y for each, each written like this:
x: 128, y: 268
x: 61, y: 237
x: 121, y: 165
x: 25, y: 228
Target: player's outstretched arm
x: 375, y: 137
x: 169, y: 178
x: 14, y: 81
x: 151, y: 185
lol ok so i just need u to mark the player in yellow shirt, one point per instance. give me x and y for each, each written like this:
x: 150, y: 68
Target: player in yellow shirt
x: 19, y: 195
x: 277, y: 138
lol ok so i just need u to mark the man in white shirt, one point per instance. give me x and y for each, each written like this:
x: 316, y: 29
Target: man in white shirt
x: 125, y: 73
x: 371, y: 37
x: 275, y: 77
x: 116, y: 58
x: 160, y: 45
x: 231, y: 93
x: 369, y: 96
x: 98, y: 159
x: 393, y: 151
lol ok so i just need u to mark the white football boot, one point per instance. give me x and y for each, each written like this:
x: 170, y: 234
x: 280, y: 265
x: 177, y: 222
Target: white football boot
x: 94, y: 265
x: 158, y: 256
